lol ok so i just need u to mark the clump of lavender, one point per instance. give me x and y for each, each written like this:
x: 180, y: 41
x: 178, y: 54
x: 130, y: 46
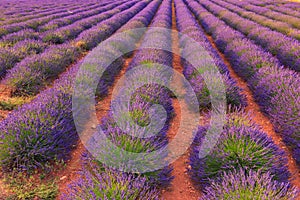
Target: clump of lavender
x: 237, y: 185
x: 8, y: 58
x: 278, y: 92
x: 234, y: 97
x: 29, y: 47
x: 98, y: 182
x: 30, y: 75
x: 238, y: 117
x: 238, y: 147
x: 40, y: 131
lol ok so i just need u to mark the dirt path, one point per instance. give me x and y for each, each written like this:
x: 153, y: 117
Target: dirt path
x: 70, y: 173
x: 3, y: 190
x: 4, y: 96
x: 182, y: 187
x: 259, y: 118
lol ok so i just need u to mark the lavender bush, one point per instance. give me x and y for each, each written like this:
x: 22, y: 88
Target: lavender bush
x: 253, y: 185
x: 103, y: 183
x: 40, y: 131
x: 280, y: 89
x: 239, y: 147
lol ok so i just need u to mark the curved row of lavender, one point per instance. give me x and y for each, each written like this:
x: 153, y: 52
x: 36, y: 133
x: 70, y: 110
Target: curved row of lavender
x: 188, y: 25
x: 12, y: 39
x: 99, y: 181
x: 243, y: 151
x: 282, y: 27
x: 88, y: 12
x: 282, y: 9
x: 78, y: 14
x: 71, y: 31
x: 12, y: 10
x: 42, y: 130
x: 285, y: 4
x: 34, y: 23
x: 26, y: 7
x: 21, y: 17
x: 275, y: 88
x: 28, y: 15
x: 291, y: 20
x: 275, y: 25
x: 22, y: 42
x: 31, y: 75
x: 286, y: 49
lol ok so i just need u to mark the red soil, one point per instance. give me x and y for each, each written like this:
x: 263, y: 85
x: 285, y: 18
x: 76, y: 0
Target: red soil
x: 182, y: 187
x: 4, y: 96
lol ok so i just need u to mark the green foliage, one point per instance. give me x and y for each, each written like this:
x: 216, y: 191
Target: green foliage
x: 23, y: 187
x: 13, y: 103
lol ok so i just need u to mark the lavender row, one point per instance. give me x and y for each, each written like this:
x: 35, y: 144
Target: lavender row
x: 54, y: 10
x: 272, y: 85
x: 31, y: 9
x: 284, y: 10
x: 91, y: 37
x: 35, y: 15
x: 30, y: 75
x: 37, y: 9
x: 187, y: 24
x: 71, y: 31
x: 10, y: 39
x: 274, y: 6
x: 14, y: 7
x: 87, y: 12
x: 286, y: 49
x: 285, y: 4
x: 26, y: 8
x: 143, y: 98
x: 44, y: 129
x: 11, y: 56
x: 237, y: 166
x: 293, y: 21
x: 34, y: 23
x: 282, y: 27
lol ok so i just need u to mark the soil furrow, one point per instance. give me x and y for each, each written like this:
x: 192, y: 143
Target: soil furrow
x: 182, y: 187
x: 70, y: 173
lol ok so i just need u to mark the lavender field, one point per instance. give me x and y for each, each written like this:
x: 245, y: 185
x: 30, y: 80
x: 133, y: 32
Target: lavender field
x: 150, y: 99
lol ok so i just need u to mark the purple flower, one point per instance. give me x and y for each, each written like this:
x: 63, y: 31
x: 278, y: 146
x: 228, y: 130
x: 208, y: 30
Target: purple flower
x: 253, y: 185
x: 239, y: 146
